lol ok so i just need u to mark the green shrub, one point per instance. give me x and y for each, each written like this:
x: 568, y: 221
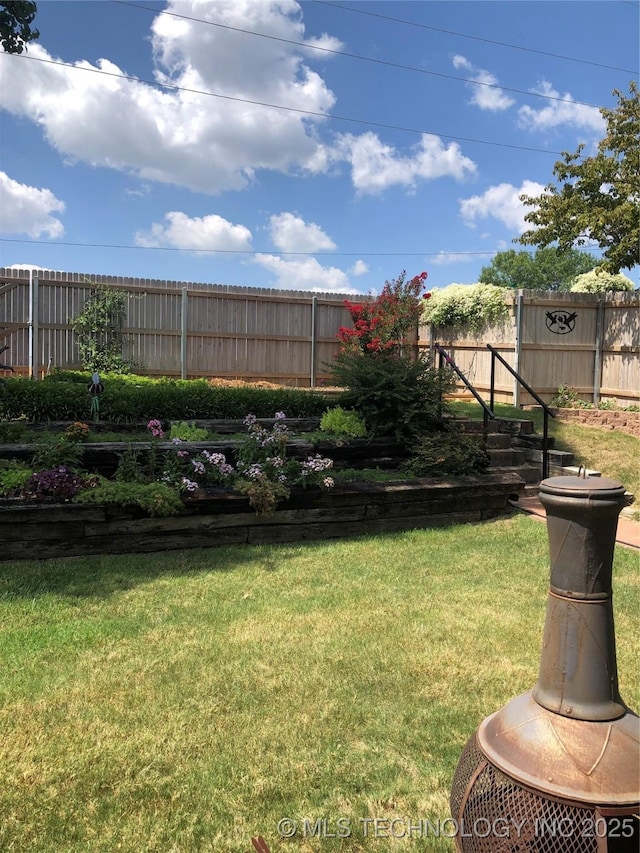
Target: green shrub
x: 156, y: 499
x: 12, y: 431
x: 13, y: 477
x: 188, y: 432
x: 396, y: 395
x: 53, y: 450
x: 134, y: 399
x: 446, y: 453
x: 339, y: 421
x: 568, y: 398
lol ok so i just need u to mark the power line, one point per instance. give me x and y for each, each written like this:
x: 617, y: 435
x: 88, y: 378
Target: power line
x: 477, y: 38
x: 485, y: 252
x: 315, y: 113
x: 358, y: 56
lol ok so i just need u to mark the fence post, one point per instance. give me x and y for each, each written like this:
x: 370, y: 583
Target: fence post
x: 597, y: 361
x: 518, y: 352
x: 33, y: 325
x: 314, y: 321
x: 183, y: 333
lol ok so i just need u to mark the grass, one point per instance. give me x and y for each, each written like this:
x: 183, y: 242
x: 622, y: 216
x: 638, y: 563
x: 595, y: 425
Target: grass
x: 187, y: 701
x: 612, y: 452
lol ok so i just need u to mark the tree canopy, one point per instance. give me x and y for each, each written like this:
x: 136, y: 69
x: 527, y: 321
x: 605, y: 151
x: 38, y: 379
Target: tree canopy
x: 598, y: 197
x: 15, y: 25
x: 546, y: 269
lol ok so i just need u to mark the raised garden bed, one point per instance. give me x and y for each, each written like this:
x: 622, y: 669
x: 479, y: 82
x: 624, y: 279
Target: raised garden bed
x: 44, y: 530
x: 102, y: 457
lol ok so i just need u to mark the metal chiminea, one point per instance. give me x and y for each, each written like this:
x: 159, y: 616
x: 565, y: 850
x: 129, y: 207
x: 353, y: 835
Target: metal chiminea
x: 558, y: 768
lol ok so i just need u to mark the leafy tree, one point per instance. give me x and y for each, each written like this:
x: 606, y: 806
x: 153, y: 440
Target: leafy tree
x: 598, y: 198
x: 547, y: 269
x: 98, y: 331
x: 599, y: 281
x: 15, y: 25
x: 396, y: 391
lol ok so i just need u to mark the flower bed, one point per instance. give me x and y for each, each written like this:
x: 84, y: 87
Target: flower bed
x: 44, y: 530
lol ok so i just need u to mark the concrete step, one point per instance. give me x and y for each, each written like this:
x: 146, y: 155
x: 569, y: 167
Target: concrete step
x: 515, y: 426
x: 534, y: 440
x: 498, y: 440
x: 506, y: 456
x: 557, y: 458
x: 531, y: 474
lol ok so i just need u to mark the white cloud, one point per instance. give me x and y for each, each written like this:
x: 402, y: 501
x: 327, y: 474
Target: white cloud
x: 28, y: 210
x: 376, y: 166
x: 290, y: 233
x: 557, y: 113
x: 486, y: 95
x: 206, y: 143
x: 305, y: 274
x: 500, y: 202
x: 27, y: 267
x: 359, y: 268
x: 196, y: 233
x: 459, y: 257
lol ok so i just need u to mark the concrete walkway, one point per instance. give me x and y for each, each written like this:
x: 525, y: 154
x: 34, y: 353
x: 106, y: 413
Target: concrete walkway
x: 628, y: 532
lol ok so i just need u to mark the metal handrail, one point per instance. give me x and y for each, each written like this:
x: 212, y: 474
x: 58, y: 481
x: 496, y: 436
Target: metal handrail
x: 443, y: 356
x: 545, y: 409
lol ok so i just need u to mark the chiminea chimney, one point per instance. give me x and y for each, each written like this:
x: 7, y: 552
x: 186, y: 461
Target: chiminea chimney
x: 558, y: 768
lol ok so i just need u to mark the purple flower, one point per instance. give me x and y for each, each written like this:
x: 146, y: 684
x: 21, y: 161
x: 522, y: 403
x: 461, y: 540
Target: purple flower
x: 155, y: 427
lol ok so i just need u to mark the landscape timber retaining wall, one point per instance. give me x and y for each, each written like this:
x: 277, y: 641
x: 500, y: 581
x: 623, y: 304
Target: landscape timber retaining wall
x: 41, y: 531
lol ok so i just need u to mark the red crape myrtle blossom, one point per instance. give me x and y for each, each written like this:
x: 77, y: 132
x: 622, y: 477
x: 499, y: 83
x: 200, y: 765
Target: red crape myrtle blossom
x: 384, y: 324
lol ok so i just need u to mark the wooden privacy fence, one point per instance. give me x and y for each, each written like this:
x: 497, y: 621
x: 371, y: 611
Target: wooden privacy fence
x: 588, y: 342
x: 175, y: 328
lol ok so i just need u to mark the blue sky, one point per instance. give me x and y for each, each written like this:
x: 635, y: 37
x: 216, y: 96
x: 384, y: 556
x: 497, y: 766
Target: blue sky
x: 425, y: 175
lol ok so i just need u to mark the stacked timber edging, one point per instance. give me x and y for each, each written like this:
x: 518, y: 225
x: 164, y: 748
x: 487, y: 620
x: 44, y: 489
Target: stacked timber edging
x: 40, y: 531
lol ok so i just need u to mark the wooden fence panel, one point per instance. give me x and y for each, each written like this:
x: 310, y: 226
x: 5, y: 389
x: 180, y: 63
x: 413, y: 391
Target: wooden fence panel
x: 585, y: 341
x: 588, y: 342
x: 212, y: 330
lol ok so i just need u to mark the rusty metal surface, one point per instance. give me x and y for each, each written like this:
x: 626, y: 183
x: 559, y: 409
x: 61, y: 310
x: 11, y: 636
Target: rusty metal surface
x: 570, y: 759
x: 526, y: 821
x: 578, y: 674
x: 568, y: 750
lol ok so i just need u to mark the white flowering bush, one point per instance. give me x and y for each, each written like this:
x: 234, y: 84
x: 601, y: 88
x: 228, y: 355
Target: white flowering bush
x: 465, y: 306
x: 599, y: 281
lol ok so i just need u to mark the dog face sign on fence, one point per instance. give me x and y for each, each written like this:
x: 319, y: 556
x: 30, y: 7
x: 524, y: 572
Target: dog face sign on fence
x: 561, y: 322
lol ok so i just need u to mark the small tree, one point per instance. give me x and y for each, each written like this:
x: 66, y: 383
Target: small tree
x: 98, y: 331
x: 395, y: 389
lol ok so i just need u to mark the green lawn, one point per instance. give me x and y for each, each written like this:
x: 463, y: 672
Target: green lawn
x: 186, y: 701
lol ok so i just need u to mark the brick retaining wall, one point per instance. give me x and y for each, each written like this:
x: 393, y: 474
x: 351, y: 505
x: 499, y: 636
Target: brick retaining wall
x: 628, y: 422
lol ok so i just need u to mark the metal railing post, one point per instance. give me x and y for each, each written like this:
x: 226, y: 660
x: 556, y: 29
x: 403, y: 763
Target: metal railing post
x: 493, y: 381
